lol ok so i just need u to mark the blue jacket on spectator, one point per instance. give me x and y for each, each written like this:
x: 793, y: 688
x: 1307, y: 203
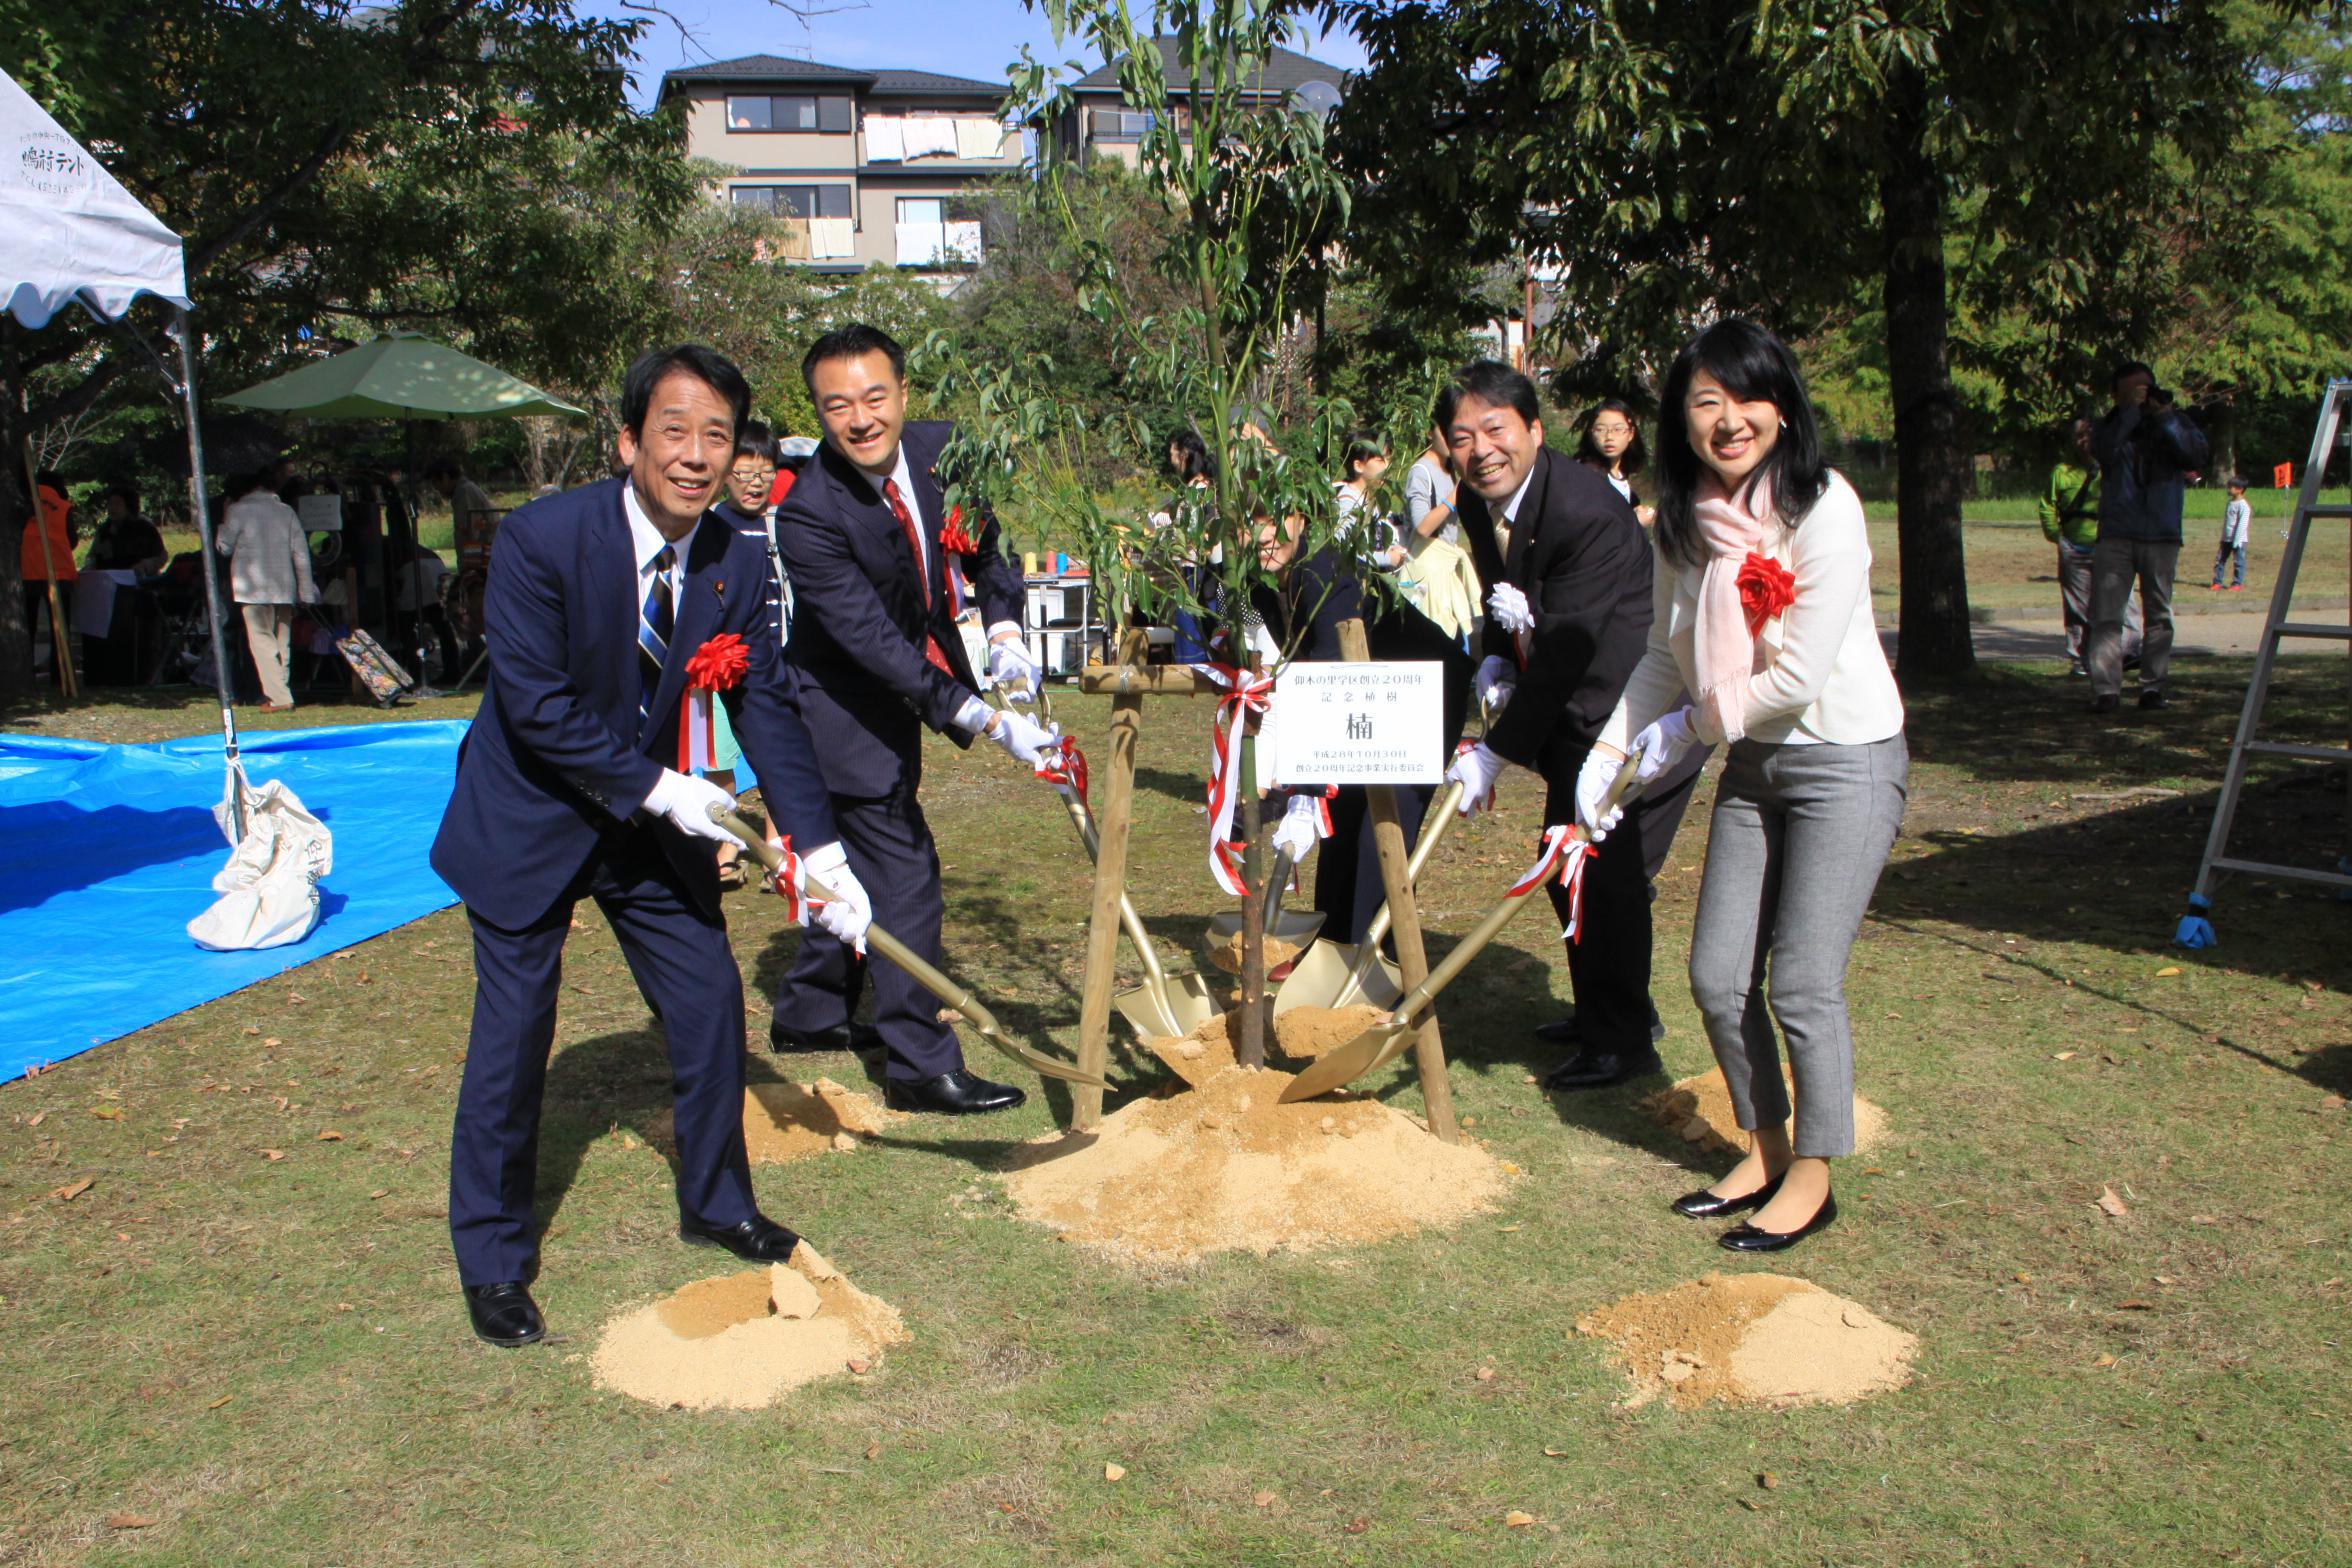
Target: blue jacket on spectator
x: 2143, y: 452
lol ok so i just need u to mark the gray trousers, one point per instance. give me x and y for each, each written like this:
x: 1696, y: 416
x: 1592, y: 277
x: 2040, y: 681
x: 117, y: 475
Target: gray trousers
x: 2115, y: 565
x: 2074, y: 591
x: 1799, y: 836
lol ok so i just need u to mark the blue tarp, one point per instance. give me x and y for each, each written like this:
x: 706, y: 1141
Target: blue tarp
x: 107, y: 852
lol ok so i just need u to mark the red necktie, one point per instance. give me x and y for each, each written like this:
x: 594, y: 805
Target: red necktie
x: 906, y: 520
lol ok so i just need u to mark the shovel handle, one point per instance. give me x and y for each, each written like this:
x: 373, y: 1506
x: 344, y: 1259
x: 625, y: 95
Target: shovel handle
x: 1433, y: 828
x: 949, y: 993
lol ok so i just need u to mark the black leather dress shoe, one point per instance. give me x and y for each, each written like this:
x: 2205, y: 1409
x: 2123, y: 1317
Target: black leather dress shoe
x: 1591, y: 1068
x: 1704, y: 1205
x: 1562, y: 1031
x: 1747, y: 1238
x: 783, y: 1037
x: 505, y: 1314
x: 960, y: 1093
x: 757, y: 1240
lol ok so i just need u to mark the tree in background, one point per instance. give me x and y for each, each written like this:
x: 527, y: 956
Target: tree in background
x: 462, y: 166
x: 1681, y: 162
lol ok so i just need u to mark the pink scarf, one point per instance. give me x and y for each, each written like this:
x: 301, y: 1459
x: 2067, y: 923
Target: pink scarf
x: 1740, y: 590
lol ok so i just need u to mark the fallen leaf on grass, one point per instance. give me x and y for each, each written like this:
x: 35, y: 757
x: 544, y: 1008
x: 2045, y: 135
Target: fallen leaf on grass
x: 2168, y: 971
x: 107, y: 1113
x: 1484, y: 1374
x: 273, y: 1154
x: 216, y: 1404
x: 273, y: 1040
x: 1555, y: 1453
x: 2065, y: 1056
x: 1518, y: 1519
x: 1768, y: 1481
x: 36, y: 1118
x: 1358, y: 1525
x: 74, y: 1189
x: 2111, y: 1205
x: 873, y: 1450
x: 1114, y: 1472
x: 2104, y: 1360
x: 381, y: 1192
x: 129, y: 1522
x: 1262, y: 1500
x: 330, y: 1136
x: 2135, y: 1305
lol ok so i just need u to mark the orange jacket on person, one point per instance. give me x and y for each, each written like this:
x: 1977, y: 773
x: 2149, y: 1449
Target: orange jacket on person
x: 54, y: 510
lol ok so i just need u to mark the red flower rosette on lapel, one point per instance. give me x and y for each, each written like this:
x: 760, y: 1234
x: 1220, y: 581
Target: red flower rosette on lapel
x: 718, y: 665
x: 1766, y: 589
x: 955, y: 540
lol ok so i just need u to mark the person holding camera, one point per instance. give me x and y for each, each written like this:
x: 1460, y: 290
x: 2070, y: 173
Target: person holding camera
x: 2146, y: 448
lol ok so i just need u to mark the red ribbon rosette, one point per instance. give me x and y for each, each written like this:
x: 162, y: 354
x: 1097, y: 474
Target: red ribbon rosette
x: 954, y: 539
x: 1766, y: 589
x: 1063, y: 766
x: 718, y: 665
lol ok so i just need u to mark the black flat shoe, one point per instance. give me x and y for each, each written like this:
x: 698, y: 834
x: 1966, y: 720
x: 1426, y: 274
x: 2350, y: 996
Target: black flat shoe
x: 783, y: 1038
x: 504, y: 1314
x: 1704, y: 1205
x: 960, y: 1093
x: 1747, y: 1238
x: 1597, y: 1069
x: 757, y: 1240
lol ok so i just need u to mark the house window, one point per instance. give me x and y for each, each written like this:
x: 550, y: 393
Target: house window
x: 1119, y: 125
x: 795, y: 201
x: 788, y: 112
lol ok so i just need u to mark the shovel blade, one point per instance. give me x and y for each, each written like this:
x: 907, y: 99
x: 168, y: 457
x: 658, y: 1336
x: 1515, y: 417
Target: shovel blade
x: 1335, y: 1068
x: 1144, y: 1014
x: 1297, y: 927
x: 1323, y: 973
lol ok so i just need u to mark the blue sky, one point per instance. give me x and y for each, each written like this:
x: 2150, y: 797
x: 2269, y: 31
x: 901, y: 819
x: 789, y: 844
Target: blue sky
x: 976, y: 38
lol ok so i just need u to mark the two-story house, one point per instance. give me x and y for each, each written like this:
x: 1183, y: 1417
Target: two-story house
x: 1102, y: 124
x: 862, y: 166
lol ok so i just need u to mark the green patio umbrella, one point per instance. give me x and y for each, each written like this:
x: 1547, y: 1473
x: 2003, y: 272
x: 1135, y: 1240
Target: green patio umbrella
x: 402, y: 375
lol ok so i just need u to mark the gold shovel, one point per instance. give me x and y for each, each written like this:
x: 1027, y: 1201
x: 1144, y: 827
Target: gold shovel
x: 930, y: 979
x: 1383, y: 1042
x: 1334, y: 975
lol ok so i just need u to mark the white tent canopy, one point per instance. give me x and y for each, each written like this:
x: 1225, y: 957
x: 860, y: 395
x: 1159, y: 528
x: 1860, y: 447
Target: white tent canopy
x: 68, y: 227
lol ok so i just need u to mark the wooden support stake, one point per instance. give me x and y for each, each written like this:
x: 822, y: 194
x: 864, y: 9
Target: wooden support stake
x: 1110, y: 880
x: 1437, y: 1091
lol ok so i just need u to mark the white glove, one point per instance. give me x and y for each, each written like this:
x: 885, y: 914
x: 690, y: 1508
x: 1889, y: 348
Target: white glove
x: 1665, y: 743
x: 1011, y: 668
x: 687, y: 801
x: 1298, y: 832
x: 1476, y: 770
x: 847, y: 910
x: 1022, y: 737
x: 1507, y: 608
x: 1592, y: 787
x: 1497, y: 678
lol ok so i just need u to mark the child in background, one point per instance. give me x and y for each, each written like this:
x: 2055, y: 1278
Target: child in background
x: 2237, y: 523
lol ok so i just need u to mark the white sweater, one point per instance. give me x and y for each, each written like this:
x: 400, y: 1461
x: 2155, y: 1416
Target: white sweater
x: 1825, y: 678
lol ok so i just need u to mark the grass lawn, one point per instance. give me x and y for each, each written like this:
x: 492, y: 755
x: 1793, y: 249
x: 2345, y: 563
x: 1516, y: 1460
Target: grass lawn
x: 214, y: 1356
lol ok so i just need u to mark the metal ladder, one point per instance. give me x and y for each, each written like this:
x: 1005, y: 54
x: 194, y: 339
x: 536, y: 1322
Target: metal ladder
x: 2196, y: 927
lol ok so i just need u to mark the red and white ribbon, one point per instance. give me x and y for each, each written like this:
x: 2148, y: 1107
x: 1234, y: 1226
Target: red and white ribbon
x: 698, y: 735
x: 1063, y: 766
x: 718, y: 665
x: 790, y: 883
x: 1244, y: 694
x: 1563, y: 858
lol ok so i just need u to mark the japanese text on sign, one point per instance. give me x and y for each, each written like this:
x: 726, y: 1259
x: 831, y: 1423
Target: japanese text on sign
x: 1371, y: 723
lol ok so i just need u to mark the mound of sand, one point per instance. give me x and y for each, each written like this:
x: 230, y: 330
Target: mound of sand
x: 1226, y: 955
x: 1700, y: 1109
x: 783, y: 1122
x: 739, y: 1341
x: 1753, y: 1339
x: 1227, y: 1167
x: 1303, y: 1034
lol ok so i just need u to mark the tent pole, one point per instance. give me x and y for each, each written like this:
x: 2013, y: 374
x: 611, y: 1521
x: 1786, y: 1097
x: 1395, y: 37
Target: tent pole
x: 212, y: 600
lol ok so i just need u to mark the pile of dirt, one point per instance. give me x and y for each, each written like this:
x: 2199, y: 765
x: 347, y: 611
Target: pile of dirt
x: 783, y: 1122
x: 1700, y: 1110
x: 1753, y: 1339
x: 1302, y: 1035
x: 1228, y: 1167
x: 1226, y: 955
x: 740, y: 1341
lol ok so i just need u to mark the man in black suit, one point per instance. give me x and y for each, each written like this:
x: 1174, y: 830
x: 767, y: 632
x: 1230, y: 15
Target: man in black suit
x: 597, y: 600
x: 879, y: 565
x: 1568, y: 616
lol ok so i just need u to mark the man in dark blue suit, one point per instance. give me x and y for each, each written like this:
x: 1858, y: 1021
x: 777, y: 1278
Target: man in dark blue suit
x: 878, y: 563
x: 597, y: 599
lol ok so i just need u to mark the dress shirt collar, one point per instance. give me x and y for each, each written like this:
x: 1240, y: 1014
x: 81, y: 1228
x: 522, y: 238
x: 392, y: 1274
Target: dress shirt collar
x: 645, y: 539
x: 905, y: 479
x: 1511, y: 507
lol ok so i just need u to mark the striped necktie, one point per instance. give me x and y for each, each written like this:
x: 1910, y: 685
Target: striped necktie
x: 899, y: 509
x: 655, y: 618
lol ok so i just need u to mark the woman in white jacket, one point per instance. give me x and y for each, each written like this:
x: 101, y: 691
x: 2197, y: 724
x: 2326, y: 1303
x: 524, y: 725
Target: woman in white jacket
x: 1762, y: 610
x: 269, y: 574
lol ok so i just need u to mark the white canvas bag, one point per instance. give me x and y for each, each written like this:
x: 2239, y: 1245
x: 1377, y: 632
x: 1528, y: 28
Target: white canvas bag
x: 269, y: 888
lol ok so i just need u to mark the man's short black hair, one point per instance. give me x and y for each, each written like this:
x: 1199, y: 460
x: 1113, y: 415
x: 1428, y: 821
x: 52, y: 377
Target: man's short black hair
x: 127, y: 493
x: 1491, y: 382
x: 2131, y: 367
x: 706, y: 365
x: 848, y: 343
x: 754, y: 439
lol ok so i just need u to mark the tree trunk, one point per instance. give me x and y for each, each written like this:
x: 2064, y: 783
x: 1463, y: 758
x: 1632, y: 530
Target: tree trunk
x: 1931, y: 463
x: 1249, y: 1047
x: 16, y: 637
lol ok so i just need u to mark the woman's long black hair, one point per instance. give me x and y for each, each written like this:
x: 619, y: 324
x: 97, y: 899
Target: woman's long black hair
x: 1753, y: 366
x: 1629, y: 461
x: 1193, y: 458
